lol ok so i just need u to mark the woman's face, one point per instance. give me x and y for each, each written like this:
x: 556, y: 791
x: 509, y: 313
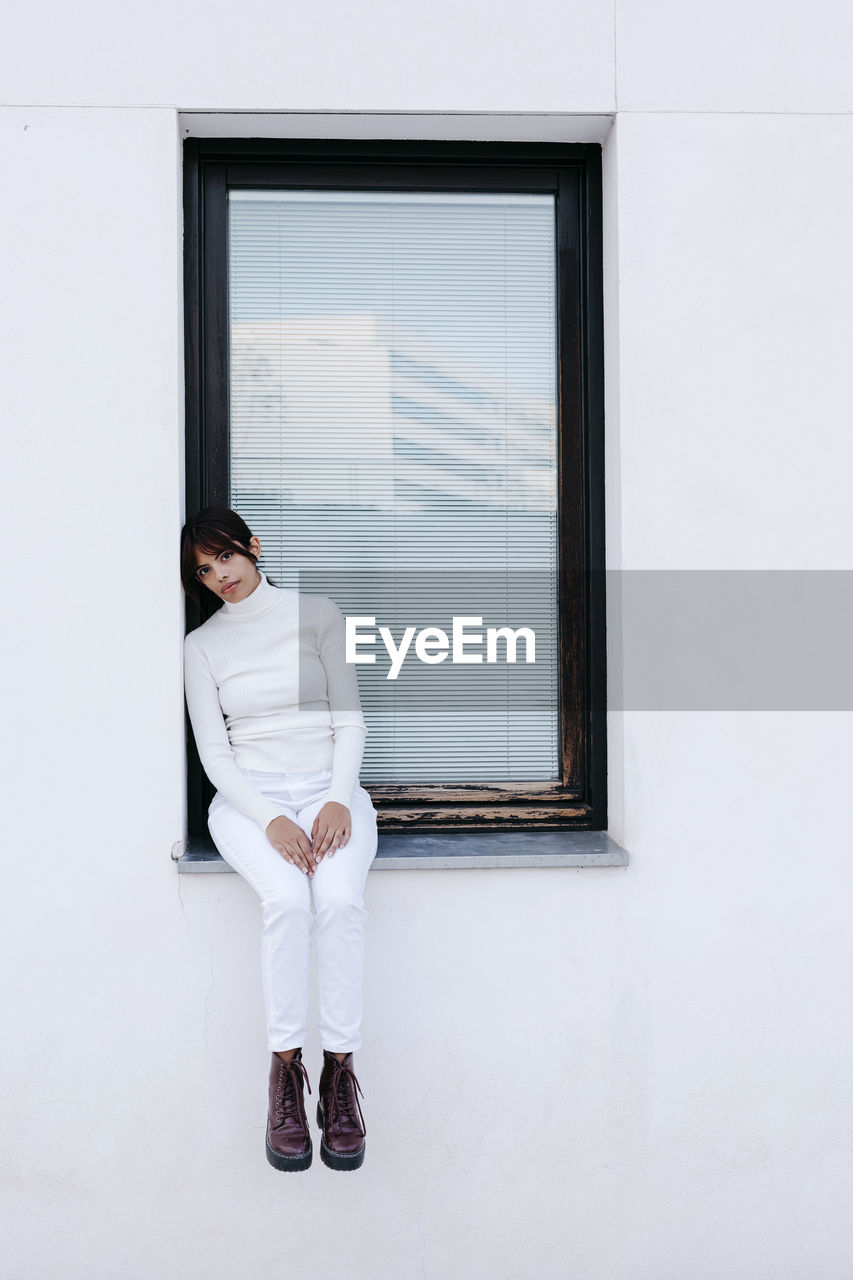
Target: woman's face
x: 228, y: 575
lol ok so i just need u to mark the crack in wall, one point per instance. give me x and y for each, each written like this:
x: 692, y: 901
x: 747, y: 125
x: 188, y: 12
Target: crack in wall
x: 209, y: 944
x: 420, y: 1229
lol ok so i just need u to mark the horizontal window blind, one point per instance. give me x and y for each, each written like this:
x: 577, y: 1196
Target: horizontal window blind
x: 393, y: 445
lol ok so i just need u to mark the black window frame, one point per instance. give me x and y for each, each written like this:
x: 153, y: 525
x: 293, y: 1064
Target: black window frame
x: 572, y: 173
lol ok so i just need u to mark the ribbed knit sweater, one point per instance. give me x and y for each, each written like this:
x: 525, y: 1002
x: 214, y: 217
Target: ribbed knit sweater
x: 268, y: 688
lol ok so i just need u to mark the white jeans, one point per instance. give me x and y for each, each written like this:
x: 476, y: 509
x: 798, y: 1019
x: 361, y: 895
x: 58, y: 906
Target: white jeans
x: 286, y: 900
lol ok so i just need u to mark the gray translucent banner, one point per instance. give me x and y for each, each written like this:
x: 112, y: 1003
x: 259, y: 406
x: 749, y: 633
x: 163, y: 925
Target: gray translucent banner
x: 730, y: 640
x: 677, y: 640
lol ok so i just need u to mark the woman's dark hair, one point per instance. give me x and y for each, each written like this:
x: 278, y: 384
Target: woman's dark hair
x: 212, y: 530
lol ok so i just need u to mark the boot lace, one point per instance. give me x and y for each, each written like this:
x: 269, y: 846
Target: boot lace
x: 288, y: 1095
x: 342, y: 1095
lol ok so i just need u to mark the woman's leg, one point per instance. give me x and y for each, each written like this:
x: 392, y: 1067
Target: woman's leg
x: 287, y: 918
x: 338, y: 889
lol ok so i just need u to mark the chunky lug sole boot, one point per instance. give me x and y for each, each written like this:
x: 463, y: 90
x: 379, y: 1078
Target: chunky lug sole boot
x: 288, y: 1141
x: 339, y: 1114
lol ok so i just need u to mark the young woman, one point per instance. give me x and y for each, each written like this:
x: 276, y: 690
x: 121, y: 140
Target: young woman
x: 277, y: 721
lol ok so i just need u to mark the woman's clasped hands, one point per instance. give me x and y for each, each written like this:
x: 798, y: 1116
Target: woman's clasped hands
x: 330, y: 832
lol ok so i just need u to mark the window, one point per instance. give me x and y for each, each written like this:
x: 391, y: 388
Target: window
x: 394, y: 373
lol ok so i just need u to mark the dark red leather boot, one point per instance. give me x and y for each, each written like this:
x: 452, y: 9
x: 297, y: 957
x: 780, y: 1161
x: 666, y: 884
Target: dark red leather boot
x: 339, y: 1114
x: 288, y: 1138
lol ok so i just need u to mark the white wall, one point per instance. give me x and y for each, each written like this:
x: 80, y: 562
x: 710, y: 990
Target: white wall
x: 603, y: 1074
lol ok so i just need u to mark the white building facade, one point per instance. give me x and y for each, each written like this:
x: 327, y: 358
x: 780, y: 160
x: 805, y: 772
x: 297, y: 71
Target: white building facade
x: 604, y: 1072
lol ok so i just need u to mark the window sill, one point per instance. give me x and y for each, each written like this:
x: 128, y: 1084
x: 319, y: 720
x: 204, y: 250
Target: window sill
x: 420, y: 851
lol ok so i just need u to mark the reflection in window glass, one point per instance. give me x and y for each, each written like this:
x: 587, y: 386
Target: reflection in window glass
x: 393, y: 445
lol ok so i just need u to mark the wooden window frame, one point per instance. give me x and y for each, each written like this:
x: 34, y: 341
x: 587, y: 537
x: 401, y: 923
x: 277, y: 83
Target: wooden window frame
x: 572, y: 173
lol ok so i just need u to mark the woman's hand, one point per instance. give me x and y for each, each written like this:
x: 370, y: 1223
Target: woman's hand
x: 331, y: 829
x: 292, y: 843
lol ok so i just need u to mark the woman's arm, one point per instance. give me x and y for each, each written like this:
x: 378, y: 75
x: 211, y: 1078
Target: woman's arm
x: 348, y: 727
x: 211, y: 739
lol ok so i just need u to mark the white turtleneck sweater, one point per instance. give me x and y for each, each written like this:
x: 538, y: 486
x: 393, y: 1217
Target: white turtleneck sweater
x: 268, y: 688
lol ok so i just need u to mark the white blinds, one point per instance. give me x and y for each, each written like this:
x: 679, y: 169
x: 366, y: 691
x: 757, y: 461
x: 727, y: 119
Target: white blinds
x: 393, y: 446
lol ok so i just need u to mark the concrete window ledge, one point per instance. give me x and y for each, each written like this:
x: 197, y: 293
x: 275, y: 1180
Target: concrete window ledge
x: 421, y: 851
